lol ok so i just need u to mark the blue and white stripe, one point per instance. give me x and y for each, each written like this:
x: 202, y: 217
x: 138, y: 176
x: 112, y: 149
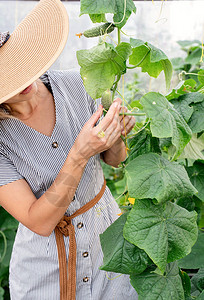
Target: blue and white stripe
x: 28, y: 154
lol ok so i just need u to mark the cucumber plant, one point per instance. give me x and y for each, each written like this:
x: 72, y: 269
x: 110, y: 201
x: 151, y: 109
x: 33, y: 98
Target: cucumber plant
x: 163, y: 174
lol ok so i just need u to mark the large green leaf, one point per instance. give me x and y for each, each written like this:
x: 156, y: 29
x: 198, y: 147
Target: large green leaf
x: 100, y: 65
x: 142, y: 143
x: 196, y: 175
x: 152, y: 176
x: 115, y: 7
x: 166, y: 121
x: 98, y: 68
x: 165, y: 232
x: 153, y: 286
x: 155, y: 60
x: 120, y: 256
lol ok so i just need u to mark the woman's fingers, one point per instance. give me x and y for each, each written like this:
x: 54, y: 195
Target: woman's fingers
x: 118, y: 100
x: 128, y: 127
x: 113, y: 135
x: 112, y: 114
x: 95, y: 117
x: 127, y: 122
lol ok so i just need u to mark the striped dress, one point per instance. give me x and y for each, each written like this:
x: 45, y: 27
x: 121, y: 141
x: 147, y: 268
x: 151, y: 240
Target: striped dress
x: 28, y: 154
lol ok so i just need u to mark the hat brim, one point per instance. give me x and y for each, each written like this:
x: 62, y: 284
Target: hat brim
x: 33, y: 47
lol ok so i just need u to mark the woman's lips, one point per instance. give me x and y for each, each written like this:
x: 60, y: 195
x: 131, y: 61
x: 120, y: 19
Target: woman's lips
x: 27, y: 90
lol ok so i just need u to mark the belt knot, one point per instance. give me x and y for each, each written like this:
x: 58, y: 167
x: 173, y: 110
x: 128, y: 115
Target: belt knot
x: 63, y: 225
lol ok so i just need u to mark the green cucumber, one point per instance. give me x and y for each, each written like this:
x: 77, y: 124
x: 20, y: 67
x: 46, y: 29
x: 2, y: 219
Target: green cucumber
x: 106, y: 99
x: 99, y: 30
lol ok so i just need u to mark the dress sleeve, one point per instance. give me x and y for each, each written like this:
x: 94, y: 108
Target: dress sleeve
x: 8, y: 172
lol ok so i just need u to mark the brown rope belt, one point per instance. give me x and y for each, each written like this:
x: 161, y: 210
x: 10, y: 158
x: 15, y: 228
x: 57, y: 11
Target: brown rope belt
x: 66, y: 228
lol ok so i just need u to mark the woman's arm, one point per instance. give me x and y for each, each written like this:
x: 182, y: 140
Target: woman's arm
x: 43, y: 214
x: 115, y: 154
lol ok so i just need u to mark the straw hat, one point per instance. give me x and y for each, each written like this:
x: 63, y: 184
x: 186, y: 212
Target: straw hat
x: 33, y: 47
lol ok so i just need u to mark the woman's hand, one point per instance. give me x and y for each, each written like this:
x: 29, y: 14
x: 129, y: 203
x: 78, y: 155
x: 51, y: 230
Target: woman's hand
x: 96, y: 139
x: 126, y: 122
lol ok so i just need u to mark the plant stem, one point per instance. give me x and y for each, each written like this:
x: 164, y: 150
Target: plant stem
x: 132, y: 114
x: 132, y: 67
x: 118, y: 76
x: 118, y: 36
x: 115, y: 86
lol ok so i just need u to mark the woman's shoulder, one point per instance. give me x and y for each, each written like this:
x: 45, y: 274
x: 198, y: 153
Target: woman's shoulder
x: 71, y: 76
x: 69, y: 81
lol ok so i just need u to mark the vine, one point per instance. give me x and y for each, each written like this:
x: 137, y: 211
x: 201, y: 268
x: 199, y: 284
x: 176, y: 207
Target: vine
x: 157, y: 229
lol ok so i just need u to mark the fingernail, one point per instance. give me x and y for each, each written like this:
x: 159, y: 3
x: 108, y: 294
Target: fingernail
x: 116, y: 104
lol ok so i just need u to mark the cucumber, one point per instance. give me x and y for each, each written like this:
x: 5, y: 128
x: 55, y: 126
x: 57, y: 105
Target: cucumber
x: 106, y: 99
x: 99, y: 30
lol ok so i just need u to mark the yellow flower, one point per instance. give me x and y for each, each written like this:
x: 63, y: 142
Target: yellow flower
x: 131, y: 200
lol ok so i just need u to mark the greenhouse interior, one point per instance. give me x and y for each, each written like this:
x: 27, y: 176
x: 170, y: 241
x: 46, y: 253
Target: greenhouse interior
x: 102, y: 150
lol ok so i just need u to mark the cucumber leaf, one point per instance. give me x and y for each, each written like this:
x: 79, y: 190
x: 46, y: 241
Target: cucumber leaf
x: 153, y: 286
x: 152, y: 176
x: 186, y: 282
x: 178, y: 63
x: 98, y: 18
x: 196, y: 122
x: 194, y: 148
x: 196, y: 175
x: 166, y: 121
x: 142, y: 143
x: 119, y: 18
x: 194, y: 57
x: 198, y: 280
x: 165, y: 232
x: 120, y: 256
x: 123, y: 52
x: 155, y: 60
x: 184, y: 104
x: 115, y: 7
x: 191, y: 107
x: 98, y: 68
x: 100, y: 65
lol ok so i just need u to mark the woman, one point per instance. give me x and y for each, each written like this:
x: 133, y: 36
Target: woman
x: 50, y: 148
